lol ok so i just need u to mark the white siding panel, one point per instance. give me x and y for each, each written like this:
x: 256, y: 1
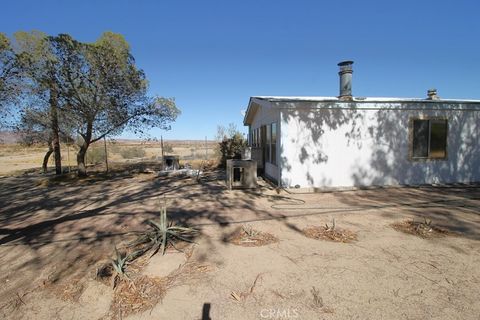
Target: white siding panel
x: 334, y: 147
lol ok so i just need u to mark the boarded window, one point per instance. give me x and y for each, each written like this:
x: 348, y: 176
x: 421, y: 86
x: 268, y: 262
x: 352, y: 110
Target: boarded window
x: 429, y: 139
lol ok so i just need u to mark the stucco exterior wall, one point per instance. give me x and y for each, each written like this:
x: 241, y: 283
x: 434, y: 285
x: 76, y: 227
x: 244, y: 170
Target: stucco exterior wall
x: 267, y: 115
x: 365, y: 144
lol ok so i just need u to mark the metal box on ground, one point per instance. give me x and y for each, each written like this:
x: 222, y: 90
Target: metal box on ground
x: 241, y: 174
x: 171, y: 162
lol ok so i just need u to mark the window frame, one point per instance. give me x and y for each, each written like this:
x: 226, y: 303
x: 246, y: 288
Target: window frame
x: 268, y: 141
x: 273, y: 141
x: 411, y: 138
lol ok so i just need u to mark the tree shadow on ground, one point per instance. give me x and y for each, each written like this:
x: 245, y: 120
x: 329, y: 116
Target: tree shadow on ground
x: 453, y: 207
x: 70, y: 226
x: 63, y: 230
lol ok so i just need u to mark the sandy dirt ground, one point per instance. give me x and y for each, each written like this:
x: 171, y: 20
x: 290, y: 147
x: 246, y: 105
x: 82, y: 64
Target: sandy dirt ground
x: 54, y: 235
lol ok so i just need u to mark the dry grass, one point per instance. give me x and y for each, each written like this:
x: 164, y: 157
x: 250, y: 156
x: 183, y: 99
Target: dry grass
x: 139, y: 292
x: 242, y: 296
x: 16, y: 158
x: 137, y: 295
x: 330, y: 234
x: 317, y: 301
x: 249, y: 237
x: 423, y: 229
x: 143, y: 292
x: 70, y: 290
x: 12, y: 305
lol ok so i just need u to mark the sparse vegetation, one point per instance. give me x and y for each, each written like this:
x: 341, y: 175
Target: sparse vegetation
x: 95, y: 155
x: 330, y: 233
x: 119, y: 264
x: 249, y: 231
x: 137, y: 295
x: 132, y: 152
x: 163, y: 234
x: 249, y: 237
x: 230, y: 143
x: 317, y: 302
x: 18, y: 157
x: 423, y: 229
x: 317, y: 299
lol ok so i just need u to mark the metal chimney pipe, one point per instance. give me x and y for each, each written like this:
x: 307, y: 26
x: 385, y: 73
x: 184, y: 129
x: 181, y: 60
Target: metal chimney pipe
x: 345, y: 74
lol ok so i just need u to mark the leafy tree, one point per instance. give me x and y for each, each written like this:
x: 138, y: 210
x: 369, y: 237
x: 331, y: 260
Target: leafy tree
x: 231, y: 143
x: 34, y: 128
x: 9, y: 77
x: 40, y: 86
x: 105, y: 91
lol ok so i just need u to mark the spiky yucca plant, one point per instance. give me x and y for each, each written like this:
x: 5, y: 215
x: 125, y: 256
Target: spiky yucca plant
x: 119, y: 263
x: 163, y: 233
x: 249, y: 231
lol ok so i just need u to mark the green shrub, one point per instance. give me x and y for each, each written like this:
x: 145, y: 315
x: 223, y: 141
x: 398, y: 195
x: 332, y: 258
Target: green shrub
x: 95, y: 155
x: 231, y: 148
x: 132, y: 152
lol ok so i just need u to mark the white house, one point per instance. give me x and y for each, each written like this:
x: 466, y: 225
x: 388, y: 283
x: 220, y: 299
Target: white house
x: 346, y: 141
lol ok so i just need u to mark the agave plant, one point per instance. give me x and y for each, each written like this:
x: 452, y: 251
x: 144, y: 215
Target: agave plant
x: 163, y: 233
x: 120, y: 263
x: 426, y: 225
x: 330, y: 228
x: 249, y: 231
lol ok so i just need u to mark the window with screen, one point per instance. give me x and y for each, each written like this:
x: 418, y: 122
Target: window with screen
x: 429, y: 139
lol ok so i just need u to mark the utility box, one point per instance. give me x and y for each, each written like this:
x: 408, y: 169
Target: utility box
x: 241, y: 174
x: 171, y: 163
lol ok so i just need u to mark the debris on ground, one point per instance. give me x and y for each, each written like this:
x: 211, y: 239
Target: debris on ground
x: 423, y: 229
x: 137, y: 295
x: 249, y: 237
x: 330, y: 233
x: 242, y: 296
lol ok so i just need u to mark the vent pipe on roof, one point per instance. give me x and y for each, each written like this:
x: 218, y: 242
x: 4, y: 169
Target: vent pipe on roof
x: 345, y: 74
x: 432, y: 94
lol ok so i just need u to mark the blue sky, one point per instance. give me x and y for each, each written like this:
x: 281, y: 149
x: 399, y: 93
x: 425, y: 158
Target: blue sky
x: 213, y: 55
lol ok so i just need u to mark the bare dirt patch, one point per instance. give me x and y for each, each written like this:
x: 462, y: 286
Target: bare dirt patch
x: 66, y: 290
x: 330, y: 233
x: 317, y: 301
x: 249, y: 237
x: 67, y: 231
x: 423, y: 229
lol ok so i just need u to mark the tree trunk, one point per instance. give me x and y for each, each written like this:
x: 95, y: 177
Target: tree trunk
x: 46, y: 157
x: 82, y: 152
x: 55, y: 134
